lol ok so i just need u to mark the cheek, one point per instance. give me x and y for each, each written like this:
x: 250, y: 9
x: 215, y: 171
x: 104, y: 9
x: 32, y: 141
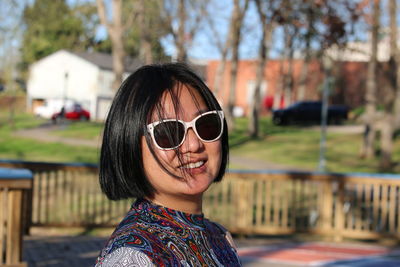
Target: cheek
x: 150, y: 163
x: 215, y: 151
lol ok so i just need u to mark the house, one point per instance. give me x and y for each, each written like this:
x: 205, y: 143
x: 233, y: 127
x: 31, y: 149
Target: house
x: 84, y: 77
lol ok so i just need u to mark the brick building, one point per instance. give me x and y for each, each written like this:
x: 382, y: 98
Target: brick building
x: 349, y: 82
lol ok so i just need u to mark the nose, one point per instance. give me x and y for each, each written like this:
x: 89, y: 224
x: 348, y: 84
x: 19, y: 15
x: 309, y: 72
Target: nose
x: 192, y: 143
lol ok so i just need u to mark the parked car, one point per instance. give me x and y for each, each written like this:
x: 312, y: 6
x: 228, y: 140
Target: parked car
x: 309, y: 112
x: 52, y: 106
x: 76, y: 112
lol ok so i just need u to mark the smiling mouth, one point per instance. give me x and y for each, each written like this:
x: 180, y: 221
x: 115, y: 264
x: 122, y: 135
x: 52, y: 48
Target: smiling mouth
x: 192, y: 165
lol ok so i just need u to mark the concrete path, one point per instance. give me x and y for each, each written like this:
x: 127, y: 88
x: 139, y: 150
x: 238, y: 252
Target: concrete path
x: 254, y: 252
x: 45, y: 133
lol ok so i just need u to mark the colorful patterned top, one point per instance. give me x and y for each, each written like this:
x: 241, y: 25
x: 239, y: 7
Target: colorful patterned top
x: 152, y: 235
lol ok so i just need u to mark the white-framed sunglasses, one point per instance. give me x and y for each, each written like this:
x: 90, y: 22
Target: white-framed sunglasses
x: 171, y: 133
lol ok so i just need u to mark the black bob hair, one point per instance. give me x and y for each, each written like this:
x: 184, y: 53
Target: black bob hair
x: 121, y: 167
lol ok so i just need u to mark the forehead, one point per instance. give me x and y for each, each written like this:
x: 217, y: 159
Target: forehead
x: 182, y: 102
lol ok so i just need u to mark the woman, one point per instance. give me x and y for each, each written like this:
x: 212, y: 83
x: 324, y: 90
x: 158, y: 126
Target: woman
x: 165, y: 142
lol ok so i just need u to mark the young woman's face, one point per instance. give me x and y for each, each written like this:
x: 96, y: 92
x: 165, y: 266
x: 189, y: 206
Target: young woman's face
x: 200, y: 163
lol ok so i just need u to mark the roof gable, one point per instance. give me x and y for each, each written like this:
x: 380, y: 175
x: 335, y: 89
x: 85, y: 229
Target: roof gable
x: 104, y: 61
x: 101, y: 60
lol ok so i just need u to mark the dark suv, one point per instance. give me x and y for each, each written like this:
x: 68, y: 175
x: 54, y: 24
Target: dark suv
x: 309, y: 112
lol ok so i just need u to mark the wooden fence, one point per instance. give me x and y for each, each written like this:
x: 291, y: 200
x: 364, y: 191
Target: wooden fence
x: 260, y: 202
x: 15, y: 186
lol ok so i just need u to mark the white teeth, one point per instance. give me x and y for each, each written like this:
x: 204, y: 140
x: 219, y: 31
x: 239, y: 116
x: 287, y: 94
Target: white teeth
x: 193, y: 165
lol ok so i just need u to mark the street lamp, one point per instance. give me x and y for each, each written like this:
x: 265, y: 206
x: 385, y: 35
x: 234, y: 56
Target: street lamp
x: 65, y: 89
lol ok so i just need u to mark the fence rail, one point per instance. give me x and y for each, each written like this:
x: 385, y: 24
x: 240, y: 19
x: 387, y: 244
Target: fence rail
x: 270, y: 202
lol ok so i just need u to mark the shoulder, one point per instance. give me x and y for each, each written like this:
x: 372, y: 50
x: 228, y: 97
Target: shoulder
x: 219, y: 229
x: 127, y: 235
x: 125, y: 256
x: 214, y: 227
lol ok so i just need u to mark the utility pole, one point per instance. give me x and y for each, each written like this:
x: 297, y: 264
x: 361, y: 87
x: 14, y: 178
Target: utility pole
x: 327, y: 66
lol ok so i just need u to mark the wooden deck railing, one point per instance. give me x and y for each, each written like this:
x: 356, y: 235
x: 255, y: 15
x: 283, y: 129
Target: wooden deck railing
x: 15, y: 185
x: 260, y: 202
x: 358, y: 206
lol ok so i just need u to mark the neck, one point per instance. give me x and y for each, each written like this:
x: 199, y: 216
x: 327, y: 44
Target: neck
x: 190, y: 204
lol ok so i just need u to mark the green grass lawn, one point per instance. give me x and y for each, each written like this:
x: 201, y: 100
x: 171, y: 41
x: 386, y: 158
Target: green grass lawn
x: 299, y: 147
x: 14, y: 147
x: 289, y: 146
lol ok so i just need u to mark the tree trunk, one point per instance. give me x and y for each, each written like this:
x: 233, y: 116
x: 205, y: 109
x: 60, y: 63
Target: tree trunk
x: 389, y: 122
x: 236, y: 36
x: 221, y: 66
x: 278, y: 95
x: 145, y: 51
x: 386, y: 143
x: 304, y: 73
x: 395, y: 55
x: 219, y: 77
x: 115, y: 30
x: 370, y: 96
x: 180, y: 41
x: 262, y: 61
x: 288, y: 76
x: 307, y: 58
x: 223, y: 47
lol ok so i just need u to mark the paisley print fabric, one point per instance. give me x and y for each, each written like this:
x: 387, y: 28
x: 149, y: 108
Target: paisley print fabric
x: 126, y: 257
x: 171, y: 238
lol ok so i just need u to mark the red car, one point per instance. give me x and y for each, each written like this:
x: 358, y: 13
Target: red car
x: 75, y: 113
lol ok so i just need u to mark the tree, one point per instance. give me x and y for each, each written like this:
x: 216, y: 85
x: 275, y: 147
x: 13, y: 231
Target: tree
x: 223, y: 45
x: 182, y: 19
x: 311, y: 14
x: 145, y: 40
x: 50, y: 26
x: 151, y: 28
x: 115, y: 29
x: 239, y: 11
x: 391, y: 108
x: 10, y: 37
x: 370, y: 96
x: 134, y: 28
x: 288, y: 15
x: 267, y: 25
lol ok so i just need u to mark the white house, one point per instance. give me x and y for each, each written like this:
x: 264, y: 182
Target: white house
x: 82, y: 77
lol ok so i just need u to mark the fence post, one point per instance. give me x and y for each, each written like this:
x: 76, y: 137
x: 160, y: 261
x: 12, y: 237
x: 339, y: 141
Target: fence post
x: 326, y: 206
x: 339, y: 212
x: 13, y: 183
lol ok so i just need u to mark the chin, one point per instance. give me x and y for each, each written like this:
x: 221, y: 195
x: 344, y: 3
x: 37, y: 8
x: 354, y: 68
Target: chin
x: 196, y: 185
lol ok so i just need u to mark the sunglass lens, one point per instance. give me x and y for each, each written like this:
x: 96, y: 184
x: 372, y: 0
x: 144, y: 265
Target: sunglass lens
x: 169, y: 134
x: 209, y: 126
